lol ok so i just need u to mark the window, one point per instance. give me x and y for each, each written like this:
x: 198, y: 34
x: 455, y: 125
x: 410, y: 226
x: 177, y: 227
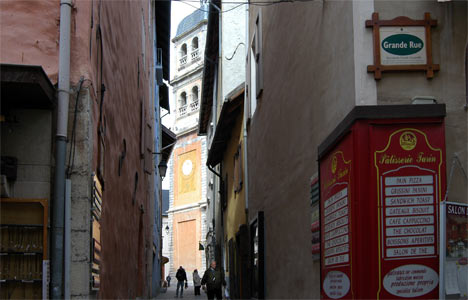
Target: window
x: 183, y: 104
x: 195, y: 94
x: 256, y: 65
x: 257, y: 262
x: 194, y: 99
x: 238, y: 169
x: 183, y: 99
x: 183, y: 55
x: 195, y: 43
x: 183, y: 50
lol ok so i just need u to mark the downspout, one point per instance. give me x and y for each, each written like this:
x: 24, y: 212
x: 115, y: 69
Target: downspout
x: 215, y: 186
x: 220, y: 57
x: 466, y: 76
x: 246, y: 114
x: 60, y: 148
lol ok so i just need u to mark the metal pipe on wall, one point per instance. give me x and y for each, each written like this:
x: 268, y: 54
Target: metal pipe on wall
x: 246, y: 115
x: 67, y: 238
x: 61, y: 148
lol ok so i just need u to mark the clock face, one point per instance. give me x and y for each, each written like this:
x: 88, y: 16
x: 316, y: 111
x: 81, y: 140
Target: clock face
x: 187, y: 167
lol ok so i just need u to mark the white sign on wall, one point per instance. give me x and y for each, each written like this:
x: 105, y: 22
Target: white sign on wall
x: 336, y: 284
x: 411, y: 281
x: 403, y: 45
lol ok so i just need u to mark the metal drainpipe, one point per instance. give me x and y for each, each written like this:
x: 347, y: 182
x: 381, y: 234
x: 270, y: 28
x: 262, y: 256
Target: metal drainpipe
x: 246, y: 115
x: 466, y: 76
x: 61, y: 148
x: 67, y: 238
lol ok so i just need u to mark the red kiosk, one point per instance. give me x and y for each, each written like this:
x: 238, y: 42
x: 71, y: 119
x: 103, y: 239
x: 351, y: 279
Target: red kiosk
x: 382, y: 175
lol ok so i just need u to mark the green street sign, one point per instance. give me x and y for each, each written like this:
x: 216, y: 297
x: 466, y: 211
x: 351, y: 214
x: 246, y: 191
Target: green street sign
x: 402, y: 44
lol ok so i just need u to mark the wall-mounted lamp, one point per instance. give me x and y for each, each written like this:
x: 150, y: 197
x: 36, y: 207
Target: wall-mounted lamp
x: 163, y: 163
x: 162, y: 167
x: 200, y: 246
x: 167, y: 229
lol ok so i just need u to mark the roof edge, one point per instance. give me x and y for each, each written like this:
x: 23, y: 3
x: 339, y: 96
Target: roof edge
x: 184, y: 34
x: 210, y: 61
x: 407, y: 111
x: 231, y: 107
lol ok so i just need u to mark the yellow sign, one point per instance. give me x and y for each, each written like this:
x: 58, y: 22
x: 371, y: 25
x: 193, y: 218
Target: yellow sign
x: 334, y: 164
x: 408, y: 140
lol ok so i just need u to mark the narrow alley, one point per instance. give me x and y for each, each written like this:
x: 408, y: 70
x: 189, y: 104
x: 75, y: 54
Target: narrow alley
x: 170, y: 293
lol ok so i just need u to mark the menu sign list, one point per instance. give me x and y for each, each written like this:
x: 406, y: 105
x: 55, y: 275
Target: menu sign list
x: 408, y: 215
x: 408, y: 174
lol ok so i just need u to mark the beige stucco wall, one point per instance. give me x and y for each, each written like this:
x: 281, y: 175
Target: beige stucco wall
x: 186, y: 235
x: 449, y: 39
x: 310, y: 83
x: 304, y: 46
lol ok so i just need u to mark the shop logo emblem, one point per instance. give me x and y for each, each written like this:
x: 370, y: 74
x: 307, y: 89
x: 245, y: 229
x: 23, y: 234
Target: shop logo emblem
x: 408, y: 140
x: 334, y: 164
x: 402, y: 44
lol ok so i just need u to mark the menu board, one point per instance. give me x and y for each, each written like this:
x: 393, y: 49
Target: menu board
x: 335, y: 207
x: 408, y: 171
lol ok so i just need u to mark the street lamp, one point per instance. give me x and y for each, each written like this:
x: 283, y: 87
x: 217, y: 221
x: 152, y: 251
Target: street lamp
x: 162, y: 168
x: 167, y: 229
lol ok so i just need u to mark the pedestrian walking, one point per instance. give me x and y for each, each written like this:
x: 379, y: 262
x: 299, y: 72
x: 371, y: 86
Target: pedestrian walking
x: 214, y: 280
x: 168, y: 279
x: 181, y: 277
x: 196, y: 282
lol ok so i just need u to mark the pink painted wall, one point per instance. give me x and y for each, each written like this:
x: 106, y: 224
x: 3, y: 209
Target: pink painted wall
x: 29, y: 34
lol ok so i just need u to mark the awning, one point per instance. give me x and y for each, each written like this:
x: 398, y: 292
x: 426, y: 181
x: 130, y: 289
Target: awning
x: 168, y: 141
x: 227, y: 118
x: 209, y: 67
x: 164, y: 96
x: 26, y: 86
x: 164, y: 260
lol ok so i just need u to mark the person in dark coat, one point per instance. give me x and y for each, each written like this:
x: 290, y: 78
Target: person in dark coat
x: 168, y: 279
x: 214, y: 280
x: 181, y: 279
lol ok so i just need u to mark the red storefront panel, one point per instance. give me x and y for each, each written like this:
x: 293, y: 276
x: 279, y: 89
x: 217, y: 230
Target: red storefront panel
x: 408, y: 172
x: 336, y: 192
x: 381, y: 180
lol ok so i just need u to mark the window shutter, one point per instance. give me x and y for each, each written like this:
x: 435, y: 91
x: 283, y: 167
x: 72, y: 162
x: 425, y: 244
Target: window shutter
x: 142, y: 130
x: 238, y: 169
x: 149, y: 164
x: 259, y: 55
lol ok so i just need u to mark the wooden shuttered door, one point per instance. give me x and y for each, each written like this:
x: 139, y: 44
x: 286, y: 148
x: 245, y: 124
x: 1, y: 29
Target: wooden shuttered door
x: 96, y: 234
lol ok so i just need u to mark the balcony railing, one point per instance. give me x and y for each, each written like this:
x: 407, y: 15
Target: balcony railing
x: 183, y: 110
x: 194, y: 105
x: 195, y: 54
x: 183, y: 60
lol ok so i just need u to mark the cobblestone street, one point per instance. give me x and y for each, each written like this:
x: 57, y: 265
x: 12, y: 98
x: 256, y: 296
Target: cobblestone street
x: 188, y: 293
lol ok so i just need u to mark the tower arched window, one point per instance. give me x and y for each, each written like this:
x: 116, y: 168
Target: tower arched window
x: 195, y: 50
x: 195, y: 94
x: 183, y: 99
x: 183, y: 50
x: 183, y: 55
x: 183, y: 104
x: 195, y: 43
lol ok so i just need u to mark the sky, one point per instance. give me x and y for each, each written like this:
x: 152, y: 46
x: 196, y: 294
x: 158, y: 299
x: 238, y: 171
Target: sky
x: 179, y: 10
